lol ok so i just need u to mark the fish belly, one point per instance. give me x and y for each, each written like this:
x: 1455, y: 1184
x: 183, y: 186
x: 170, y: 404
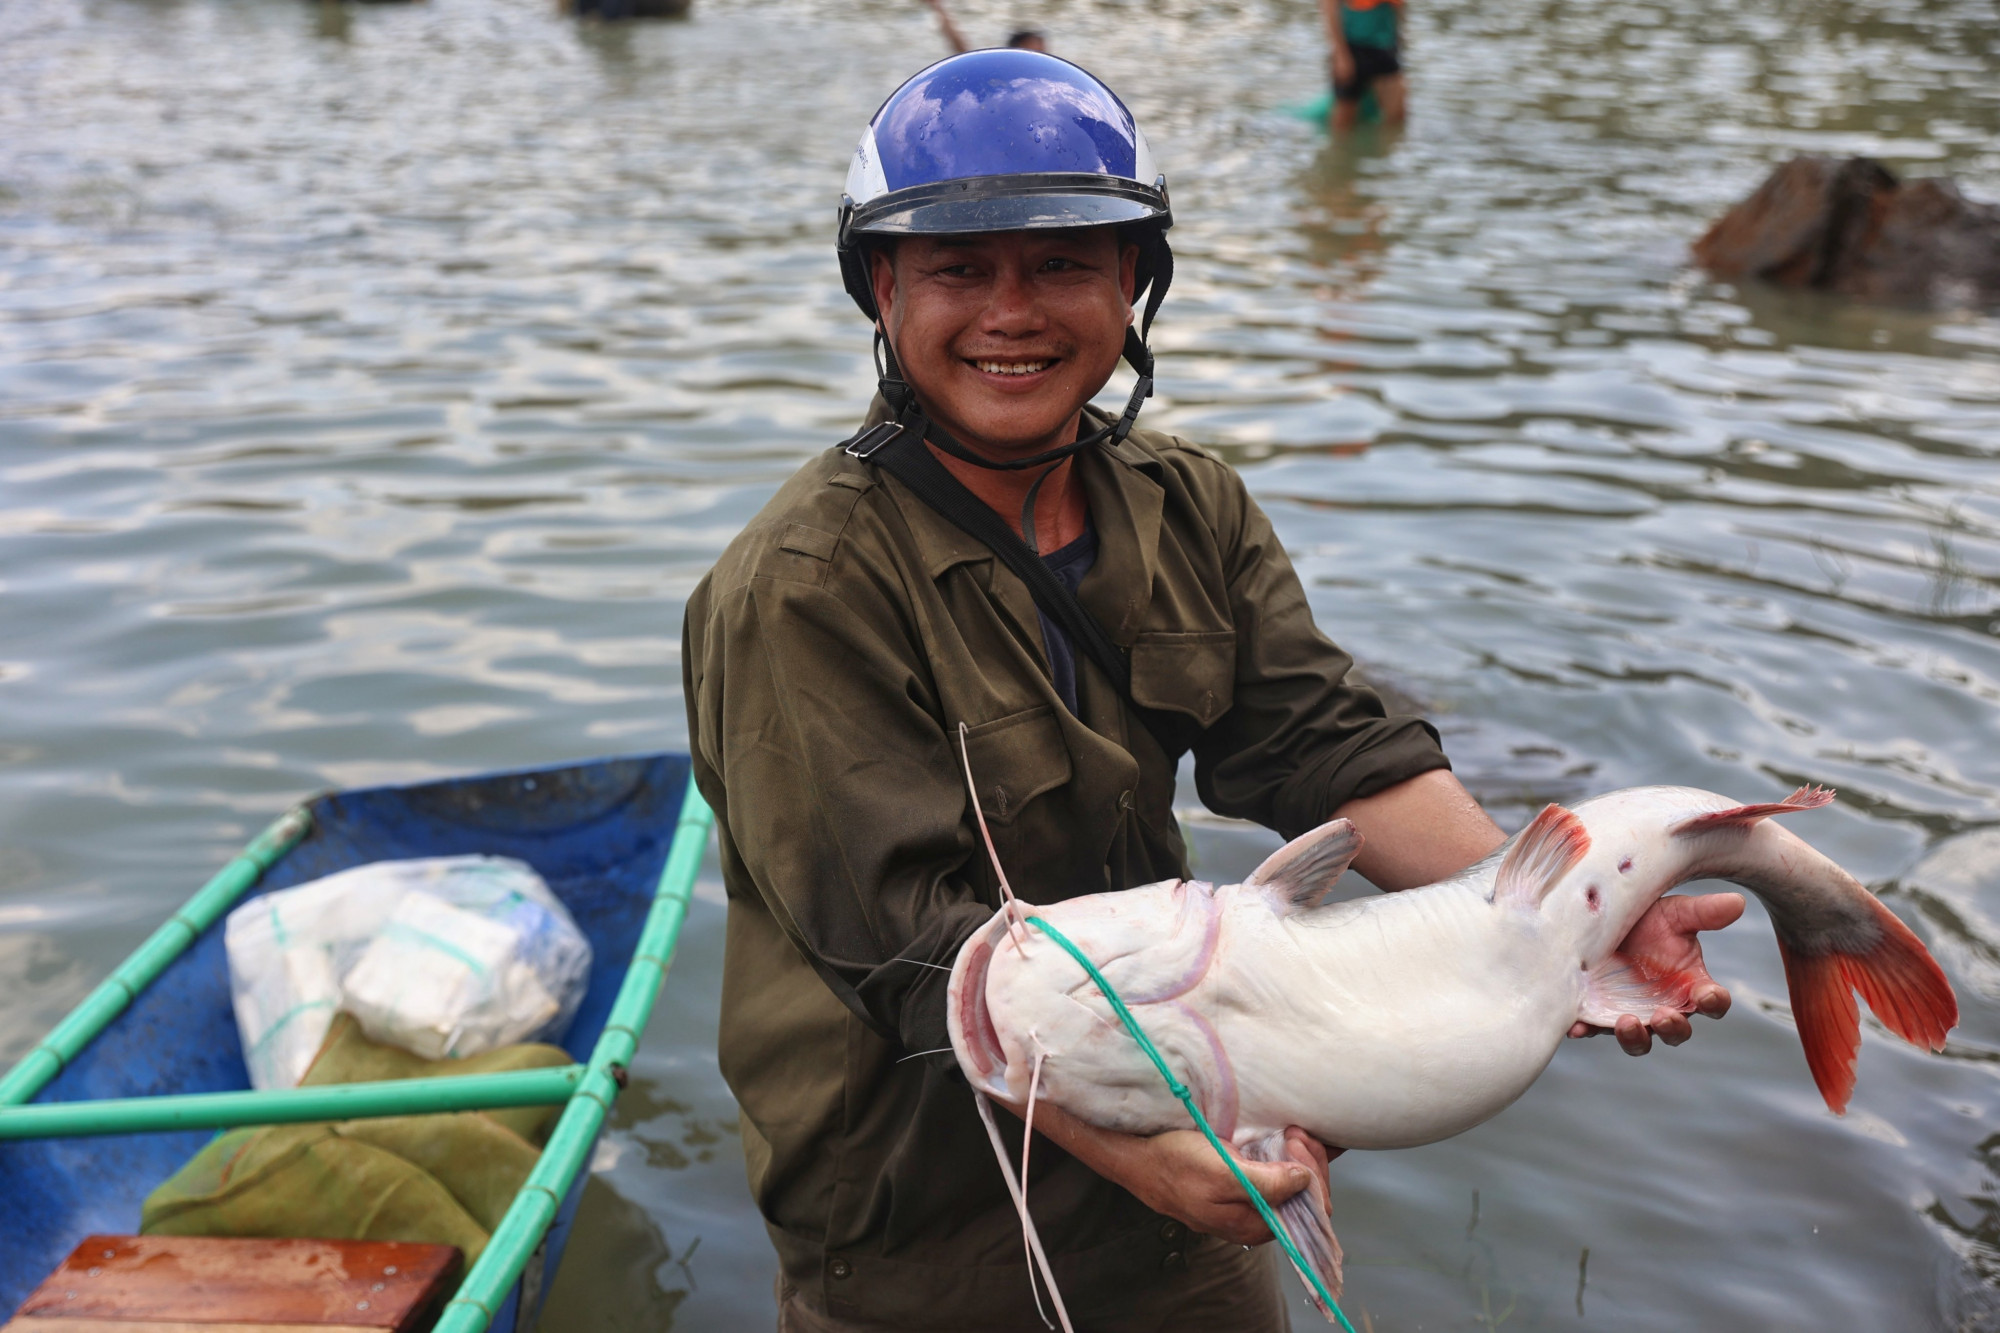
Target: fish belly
x: 1391, y: 1022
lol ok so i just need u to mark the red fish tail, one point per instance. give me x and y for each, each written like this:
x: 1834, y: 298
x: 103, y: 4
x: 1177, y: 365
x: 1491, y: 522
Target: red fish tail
x: 1904, y: 985
x: 1895, y: 974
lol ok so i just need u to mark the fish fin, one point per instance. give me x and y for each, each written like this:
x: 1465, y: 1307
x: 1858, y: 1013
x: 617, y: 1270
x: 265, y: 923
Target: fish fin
x: 1621, y: 985
x: 1805, y: 798
x: 1305, y: 869
x: 1541, y: 855
x: 1895, y: 974
x: 1307, y: 1217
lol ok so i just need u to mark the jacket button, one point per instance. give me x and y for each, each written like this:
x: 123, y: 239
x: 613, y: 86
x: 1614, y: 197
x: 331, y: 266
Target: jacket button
x: 1175, y: 1262
x: 1171, y: 1232
x: 840, y: 1268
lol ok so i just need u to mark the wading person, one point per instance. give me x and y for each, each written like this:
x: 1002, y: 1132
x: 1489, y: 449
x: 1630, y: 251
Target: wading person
x: 1021, y: 39
x: 1089, y: 602
x: 1364, y: 39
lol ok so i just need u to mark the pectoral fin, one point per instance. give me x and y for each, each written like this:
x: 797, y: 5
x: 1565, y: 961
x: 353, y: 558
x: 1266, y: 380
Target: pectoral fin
x: 1619, y: 986
x: 1307, y: 1216
x: 1541, y: 855
x: 1305, y: 869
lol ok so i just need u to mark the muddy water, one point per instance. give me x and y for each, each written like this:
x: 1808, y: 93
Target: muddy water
x: 375, y: 383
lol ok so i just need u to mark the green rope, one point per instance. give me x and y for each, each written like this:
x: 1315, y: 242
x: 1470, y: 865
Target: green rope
x: 1180, y: 1090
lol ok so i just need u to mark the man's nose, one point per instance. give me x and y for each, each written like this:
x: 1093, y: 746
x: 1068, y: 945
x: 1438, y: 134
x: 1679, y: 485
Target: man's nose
x: 1015, y: 308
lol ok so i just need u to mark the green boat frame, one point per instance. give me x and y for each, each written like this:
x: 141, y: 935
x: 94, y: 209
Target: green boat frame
x: 585, y: 1091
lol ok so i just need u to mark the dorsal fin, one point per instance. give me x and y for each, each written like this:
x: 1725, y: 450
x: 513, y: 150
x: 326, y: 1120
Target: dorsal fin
x: 1304, y: 869
x: 1807, y: 797
x: 1541, y: 855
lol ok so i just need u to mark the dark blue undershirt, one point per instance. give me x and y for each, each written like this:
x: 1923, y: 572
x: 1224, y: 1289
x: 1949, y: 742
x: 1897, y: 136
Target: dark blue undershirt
x: 1069, y: 564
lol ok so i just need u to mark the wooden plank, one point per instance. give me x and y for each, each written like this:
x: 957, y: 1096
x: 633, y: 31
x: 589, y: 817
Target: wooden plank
x: 233, y: 1282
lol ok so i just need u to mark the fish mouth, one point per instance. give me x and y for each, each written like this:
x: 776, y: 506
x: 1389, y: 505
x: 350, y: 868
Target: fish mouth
x: 969, y: 1022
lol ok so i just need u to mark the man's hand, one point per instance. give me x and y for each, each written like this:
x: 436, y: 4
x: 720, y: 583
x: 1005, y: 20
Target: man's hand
x: 952, y: 35
x: 1343, y: 65
x: 1178, y: 1174
x: 1663, y: 941
x: 1341, y: 59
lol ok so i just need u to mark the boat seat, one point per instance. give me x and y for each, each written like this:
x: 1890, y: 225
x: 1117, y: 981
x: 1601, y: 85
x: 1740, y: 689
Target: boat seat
x: 177, y: 1284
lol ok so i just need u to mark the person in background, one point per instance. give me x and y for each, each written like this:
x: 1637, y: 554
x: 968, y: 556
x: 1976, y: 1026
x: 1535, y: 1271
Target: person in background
x: 1366, y: 41
x: 1021, y: 39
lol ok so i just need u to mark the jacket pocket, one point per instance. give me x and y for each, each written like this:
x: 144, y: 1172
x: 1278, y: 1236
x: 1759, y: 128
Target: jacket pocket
x: 1015, y: 759
x: 1191, y: 673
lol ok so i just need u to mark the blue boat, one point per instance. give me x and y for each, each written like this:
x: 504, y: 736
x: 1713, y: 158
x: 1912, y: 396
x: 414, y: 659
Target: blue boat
x: 618, y: 840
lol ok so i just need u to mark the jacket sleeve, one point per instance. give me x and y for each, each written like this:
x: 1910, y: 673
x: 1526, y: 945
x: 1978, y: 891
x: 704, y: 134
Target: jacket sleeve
x: 1302, y: 737
x: 812, y: 720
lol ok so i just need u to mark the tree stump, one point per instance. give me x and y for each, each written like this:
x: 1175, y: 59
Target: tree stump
x: 1851, y: 228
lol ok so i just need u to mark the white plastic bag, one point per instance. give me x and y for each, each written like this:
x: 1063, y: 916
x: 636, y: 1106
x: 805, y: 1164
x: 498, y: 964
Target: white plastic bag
x: 447, y: 956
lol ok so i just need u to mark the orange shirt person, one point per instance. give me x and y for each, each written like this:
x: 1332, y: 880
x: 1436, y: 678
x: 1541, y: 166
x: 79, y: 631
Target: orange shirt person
x: 1365, y: 37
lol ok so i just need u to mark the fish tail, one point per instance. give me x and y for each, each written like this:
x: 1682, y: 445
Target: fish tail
x: 1835, y: 936
x: 1893, y: 972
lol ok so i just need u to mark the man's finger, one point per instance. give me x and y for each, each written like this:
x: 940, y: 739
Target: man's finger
x: 1633, y: 1036
x: 1671, y: 1026
x: 1298, y: 1142
x: 1276, y: 1181
x: 1245, y: 1227
x: 1688, y: 913
x: 1711, y: 1000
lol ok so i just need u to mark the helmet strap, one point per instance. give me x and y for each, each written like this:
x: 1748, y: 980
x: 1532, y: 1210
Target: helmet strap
x: 889, y: 381
x: 1141, y: 357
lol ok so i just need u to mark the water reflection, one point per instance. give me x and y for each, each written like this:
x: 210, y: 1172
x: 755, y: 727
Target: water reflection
x: 376, y: 382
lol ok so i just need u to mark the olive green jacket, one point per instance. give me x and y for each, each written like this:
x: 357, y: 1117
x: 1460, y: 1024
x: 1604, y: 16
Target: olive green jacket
x: 829, y: 659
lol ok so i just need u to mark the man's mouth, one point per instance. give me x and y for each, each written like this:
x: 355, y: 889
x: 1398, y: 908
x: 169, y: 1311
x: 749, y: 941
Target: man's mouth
x: 1013, y: 367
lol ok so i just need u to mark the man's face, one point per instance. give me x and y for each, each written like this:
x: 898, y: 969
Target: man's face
x: 1005, y: 336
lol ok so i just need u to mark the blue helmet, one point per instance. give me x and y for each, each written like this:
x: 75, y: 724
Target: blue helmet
x: 1002, y: 140
x: 1007, y: 140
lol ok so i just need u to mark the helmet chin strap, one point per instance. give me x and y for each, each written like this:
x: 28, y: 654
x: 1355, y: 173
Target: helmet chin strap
x: 902, y: 400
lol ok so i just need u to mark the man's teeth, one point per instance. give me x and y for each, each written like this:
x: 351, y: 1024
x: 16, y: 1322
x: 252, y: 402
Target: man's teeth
x: 1012, y: 367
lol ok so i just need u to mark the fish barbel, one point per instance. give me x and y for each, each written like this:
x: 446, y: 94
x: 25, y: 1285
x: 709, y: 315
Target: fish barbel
x: 1402, y: 1019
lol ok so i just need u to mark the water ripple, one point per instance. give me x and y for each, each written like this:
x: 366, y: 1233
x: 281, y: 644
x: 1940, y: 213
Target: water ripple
x: 376, y: 383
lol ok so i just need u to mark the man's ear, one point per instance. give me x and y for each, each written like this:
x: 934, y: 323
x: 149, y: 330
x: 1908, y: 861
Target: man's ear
x: 882, y: 276
x: 1128, y: 276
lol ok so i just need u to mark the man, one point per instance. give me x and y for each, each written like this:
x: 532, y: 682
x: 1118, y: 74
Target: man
x: 1365, y: 39
x: 1021, y: 39
x: 1003, y: 214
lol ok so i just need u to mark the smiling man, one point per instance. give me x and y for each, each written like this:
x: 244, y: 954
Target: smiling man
x: 1084, y: 603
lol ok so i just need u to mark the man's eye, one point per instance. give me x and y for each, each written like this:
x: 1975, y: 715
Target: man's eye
x: 1059, y: 265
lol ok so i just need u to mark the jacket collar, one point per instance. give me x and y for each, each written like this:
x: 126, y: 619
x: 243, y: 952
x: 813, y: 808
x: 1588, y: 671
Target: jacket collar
x: 1122, y: 485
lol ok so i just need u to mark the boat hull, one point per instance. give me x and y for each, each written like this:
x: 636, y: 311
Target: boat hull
x: 598, y: 832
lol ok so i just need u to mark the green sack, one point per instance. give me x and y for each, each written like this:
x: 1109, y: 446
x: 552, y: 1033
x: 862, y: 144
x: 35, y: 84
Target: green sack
x: 445, y: 1179
x: 347, y: 1056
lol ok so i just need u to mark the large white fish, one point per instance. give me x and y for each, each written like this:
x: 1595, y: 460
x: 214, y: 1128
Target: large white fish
x: 1398, y: 1020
